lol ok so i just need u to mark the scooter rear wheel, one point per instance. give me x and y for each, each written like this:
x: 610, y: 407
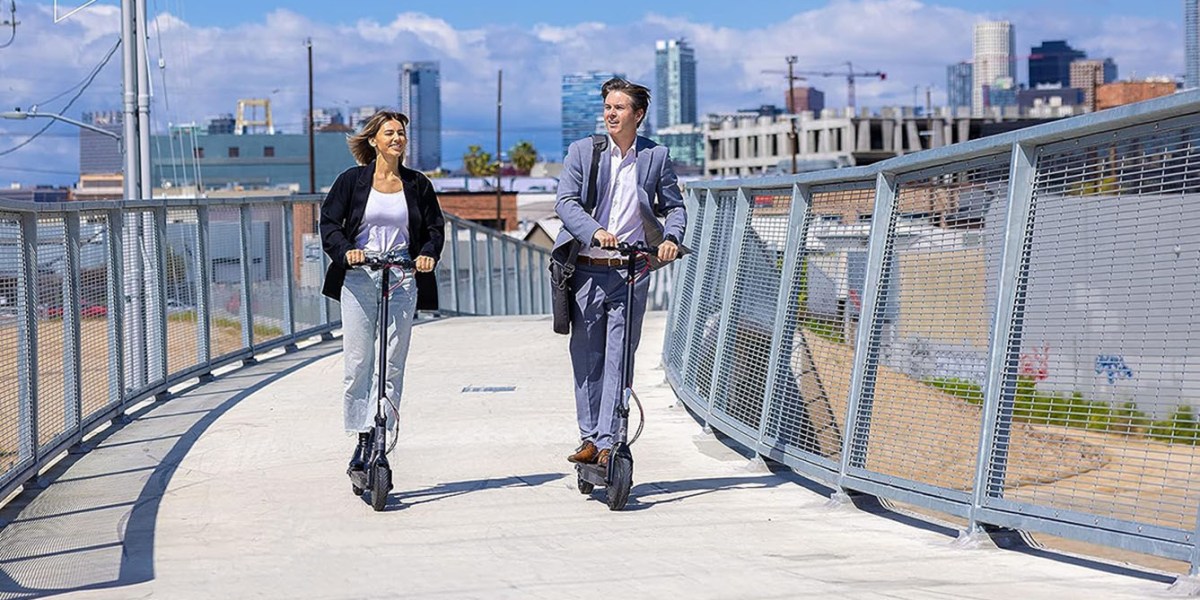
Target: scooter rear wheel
x: 380, y: 487
x: 622, y: 481
x: 357, y: 490
x: 585, y: 487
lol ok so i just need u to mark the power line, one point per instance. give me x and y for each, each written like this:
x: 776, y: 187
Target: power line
x: 88, y: 81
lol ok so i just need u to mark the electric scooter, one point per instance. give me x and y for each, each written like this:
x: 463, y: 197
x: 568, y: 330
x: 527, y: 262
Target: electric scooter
x: 617, y: 476
x: 376, y: 475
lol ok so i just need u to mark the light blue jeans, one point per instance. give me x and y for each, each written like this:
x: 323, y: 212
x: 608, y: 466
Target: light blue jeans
x: 360, y: 325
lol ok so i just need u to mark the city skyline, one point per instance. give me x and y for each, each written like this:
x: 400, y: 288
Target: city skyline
x: 207, y: 71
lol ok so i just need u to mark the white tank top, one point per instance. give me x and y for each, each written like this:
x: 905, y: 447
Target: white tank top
x: 385, y: 222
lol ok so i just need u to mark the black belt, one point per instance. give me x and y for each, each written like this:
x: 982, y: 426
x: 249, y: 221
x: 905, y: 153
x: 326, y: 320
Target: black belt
x: 601, y: 262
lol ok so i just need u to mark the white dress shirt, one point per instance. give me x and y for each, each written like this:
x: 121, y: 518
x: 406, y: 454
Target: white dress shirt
x: 620, y: 201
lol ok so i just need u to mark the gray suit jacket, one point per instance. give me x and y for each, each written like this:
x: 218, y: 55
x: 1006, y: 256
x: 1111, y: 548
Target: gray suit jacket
x: 657, y: 190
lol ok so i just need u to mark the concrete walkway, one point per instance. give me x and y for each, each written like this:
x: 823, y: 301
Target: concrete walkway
x: 236, y: 489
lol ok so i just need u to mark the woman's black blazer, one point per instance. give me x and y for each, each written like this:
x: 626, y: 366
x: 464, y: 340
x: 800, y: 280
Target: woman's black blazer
x: 341, y: 218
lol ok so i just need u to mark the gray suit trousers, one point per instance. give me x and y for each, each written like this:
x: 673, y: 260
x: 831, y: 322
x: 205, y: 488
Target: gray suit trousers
x: 599, y: 321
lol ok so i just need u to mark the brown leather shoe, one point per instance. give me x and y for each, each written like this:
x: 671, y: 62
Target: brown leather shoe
x: 602, y: 459
x: 586, y: 453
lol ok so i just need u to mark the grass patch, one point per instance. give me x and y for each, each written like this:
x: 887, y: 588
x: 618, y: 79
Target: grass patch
x: 830, y: 329
x: 1073, y: 410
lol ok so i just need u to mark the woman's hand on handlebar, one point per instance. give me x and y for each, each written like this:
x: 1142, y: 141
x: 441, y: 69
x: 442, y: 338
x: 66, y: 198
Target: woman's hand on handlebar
x: 425, y: 264
x: 355, y: 257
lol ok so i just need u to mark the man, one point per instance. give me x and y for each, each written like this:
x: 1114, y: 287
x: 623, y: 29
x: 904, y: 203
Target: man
x: 635, y: 187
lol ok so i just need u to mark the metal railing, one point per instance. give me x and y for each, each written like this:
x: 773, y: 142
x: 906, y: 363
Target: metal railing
x: 106, y: 304
x: 1005, y: 330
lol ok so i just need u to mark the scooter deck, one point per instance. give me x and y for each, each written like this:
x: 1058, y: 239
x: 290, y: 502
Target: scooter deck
x: 599, y: 475
x: 593, y: 474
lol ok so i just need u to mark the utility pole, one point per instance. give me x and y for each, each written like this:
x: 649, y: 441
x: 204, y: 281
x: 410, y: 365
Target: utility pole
x: 499, y: 104
x: 791, y: 104
x: 929, y: 113
x: 312, y: 163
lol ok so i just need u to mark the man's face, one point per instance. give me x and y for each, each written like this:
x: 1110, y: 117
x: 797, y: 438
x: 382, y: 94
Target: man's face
x: 619, y: 115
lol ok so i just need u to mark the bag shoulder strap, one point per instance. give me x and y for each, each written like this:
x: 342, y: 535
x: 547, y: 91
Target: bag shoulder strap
x: 599, y: 145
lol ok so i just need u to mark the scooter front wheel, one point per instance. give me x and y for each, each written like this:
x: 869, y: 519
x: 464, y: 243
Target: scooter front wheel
x: 380, y: 487
x: 622, y: 481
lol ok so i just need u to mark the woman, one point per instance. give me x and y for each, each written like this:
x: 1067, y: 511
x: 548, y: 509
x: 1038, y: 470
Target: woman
x: 377, y: 207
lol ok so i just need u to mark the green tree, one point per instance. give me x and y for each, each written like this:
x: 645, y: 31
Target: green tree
x: 523, y: 157
x: 478, y: 163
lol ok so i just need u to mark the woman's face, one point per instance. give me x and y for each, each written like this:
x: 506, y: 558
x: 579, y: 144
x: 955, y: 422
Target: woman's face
x: 391, y: 139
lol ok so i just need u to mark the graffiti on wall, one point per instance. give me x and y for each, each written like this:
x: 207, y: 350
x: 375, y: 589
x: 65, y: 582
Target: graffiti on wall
x: 1113, y: 367
x: 1035, y: 363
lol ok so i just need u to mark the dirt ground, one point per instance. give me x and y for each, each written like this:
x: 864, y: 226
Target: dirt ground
x: 182, y: 353
x: 920, y: 433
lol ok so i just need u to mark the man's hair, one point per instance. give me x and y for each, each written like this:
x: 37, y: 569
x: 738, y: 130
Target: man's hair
x: 360, y: 143
x: 639, y: 93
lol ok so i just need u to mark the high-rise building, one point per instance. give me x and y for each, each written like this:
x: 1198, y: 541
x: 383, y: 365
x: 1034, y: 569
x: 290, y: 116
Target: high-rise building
x: 675, y: 80
x: 99, y: 153
x: 805, y: 98
x: 995, y: 60
x: 1110, y: 70
x: 421, y: 100
x: 582, y: 105
x: 1191, y: 54
x: 958, y: 85
x: 1050, y: 63
x: 1087, y: 75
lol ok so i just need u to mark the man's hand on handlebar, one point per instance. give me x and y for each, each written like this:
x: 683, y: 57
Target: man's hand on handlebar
x: 425, y: 264
x: 668, y: 251
x: 355, y: 257
x: 603, y: 239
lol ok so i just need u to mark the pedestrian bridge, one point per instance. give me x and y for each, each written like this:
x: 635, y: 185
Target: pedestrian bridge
x: 866, y: 377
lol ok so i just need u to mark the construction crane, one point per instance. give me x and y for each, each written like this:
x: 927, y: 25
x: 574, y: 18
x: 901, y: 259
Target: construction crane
x: 849, y: 74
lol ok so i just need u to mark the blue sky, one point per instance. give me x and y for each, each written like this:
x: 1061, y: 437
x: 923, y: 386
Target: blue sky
x: 749, y: 13
x: 216, y: 51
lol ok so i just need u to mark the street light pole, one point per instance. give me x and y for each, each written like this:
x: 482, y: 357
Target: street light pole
x: 33, y: 112
x: 791, y: 103
x: 312, y: 163
x: 129, y: 102
x: 499, y: 90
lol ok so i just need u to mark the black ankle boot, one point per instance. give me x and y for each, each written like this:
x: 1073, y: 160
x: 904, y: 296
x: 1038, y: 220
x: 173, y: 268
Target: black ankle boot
x: 359, y: 459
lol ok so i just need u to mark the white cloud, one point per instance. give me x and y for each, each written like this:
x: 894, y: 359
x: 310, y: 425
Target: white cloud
x: 209, y: 68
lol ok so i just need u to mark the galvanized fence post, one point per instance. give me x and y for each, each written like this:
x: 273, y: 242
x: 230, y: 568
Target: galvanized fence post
x: 116, y: 306
x: 27, y: 366
x: 247, y: 316
x: 289, y: 273
x: 861, y: 392
x: 793, y: 248
x: 1005, y: 343
x: 203, y: 268
x: 454, y: 265
x: 156, y: 308
x: 703, y: 256
x: 741, y: 218
x: 72, y: 342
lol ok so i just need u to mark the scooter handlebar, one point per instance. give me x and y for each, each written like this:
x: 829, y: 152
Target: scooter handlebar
x: 627, y: 249
x: 379, y: 261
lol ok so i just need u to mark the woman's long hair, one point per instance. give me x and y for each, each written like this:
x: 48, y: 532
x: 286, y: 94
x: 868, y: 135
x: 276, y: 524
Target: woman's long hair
x: 360, y: 143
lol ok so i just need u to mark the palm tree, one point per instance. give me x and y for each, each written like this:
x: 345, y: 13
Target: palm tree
x: 478, y: 163
x: 523, y: 156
